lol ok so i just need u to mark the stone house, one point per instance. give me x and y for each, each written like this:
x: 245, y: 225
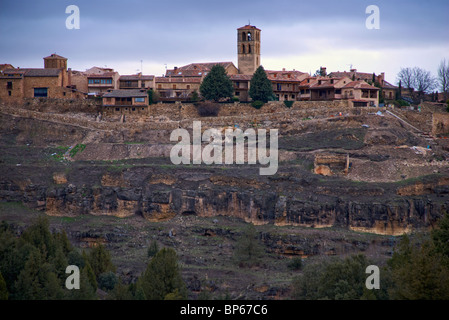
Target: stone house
x: 286, y: 83
x: 360, y: 94
x: 52, y: 81
x: 125, y: 101
x: 99, y: 84
x: 137, y: 81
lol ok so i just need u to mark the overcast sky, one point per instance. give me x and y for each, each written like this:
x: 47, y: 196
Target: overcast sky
x: 296, y: 34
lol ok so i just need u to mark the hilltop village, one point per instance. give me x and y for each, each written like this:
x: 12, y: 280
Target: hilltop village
x: 128, y: 93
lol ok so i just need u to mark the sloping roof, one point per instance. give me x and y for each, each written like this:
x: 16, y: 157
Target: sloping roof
x: 178, y: 80
x: 104, y: 75
x: 135, y: 77
x: 123, y: 93
x: 388, y: 85
x: 30, y: 72
x: 55, y: 56
x: 360, y: 84
x: 350, y: 74
x: 285, y: 75
x: 197, y: 69
x: 248, y: 27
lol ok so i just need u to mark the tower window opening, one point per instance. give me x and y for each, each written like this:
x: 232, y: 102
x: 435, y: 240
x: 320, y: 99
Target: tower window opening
x: 249, y: 36
x: 249, y: 48
x: 243, y: 36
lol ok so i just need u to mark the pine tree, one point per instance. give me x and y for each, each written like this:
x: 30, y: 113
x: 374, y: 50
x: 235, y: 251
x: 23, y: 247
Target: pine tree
x: 100, y: 260
x: 248, y: 250
x: 3, y: 289
x: 260, y: 86
x: 163, y: 277
x: 217, y: 85
x: 152, y: 249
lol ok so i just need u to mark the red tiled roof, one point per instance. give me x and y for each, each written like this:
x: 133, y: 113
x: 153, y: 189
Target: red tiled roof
x: 248, y: 27
x: 360, y: 84
x: 285, y: 75
x: 55, y: 56
x: 135, y: 77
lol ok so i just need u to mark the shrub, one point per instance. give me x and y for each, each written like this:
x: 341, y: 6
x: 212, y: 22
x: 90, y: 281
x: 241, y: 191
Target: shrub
x: 257, y: 104
x: 288, y: 104
x: 208, y: 109
x: 107, y: 280
x: 153, y: 249
x: 295, y: 264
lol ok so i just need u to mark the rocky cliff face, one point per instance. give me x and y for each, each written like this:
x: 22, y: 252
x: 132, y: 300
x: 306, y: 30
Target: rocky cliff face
x: 161, y: 193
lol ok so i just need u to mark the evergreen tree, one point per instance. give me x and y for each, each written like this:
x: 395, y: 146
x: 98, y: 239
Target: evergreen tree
x: 248, y: 249
x: 3, y: 289
x: 162, y: 277
x: 440, y: 237
x: 217, y: 85
x: 100, y: 260
x: 90, y: 275
x: 120, y: 292
x: 260, y: 86
x: 399, y: 91
x: 153, y: 249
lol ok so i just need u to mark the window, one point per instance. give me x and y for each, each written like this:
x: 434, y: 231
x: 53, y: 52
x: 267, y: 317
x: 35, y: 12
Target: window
x: 117, y: 109
x: 249, y: 36
x: 278, y: 86
x: 249, y: 48
x: 9, y: 85
x: 139, y: 100
x: 188, y: 87
x: 237, y: 93
x: 40, y: 92
x: 133, y: 109
x: 243, y: 36
x: 174, y: 86
x: 9, y: 93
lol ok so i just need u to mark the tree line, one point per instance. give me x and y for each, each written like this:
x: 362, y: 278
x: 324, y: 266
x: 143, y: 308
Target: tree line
x: 33, y: 264
x: 33, y: 267
x: 423, y: 82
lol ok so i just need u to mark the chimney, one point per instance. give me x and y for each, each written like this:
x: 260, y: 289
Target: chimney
x: 323, y: 71
x: 69, y: 77
x: 353, y: 70
x: 283, y: 69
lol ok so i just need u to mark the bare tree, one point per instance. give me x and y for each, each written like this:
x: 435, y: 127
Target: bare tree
x: 417, y: 79
x: 424, y: 82
x: 405, y: 76
x: 443, y: 78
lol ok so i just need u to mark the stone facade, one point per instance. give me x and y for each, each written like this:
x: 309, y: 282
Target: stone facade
x: 248, y: 48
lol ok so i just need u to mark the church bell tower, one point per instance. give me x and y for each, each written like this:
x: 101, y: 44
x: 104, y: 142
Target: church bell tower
x: 248, y: 48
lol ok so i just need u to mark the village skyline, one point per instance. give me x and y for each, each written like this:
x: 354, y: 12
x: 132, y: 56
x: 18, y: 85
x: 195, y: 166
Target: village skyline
x: 300, y: 36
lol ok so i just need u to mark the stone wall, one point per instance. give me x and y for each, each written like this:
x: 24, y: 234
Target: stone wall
x: 440, y: 124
